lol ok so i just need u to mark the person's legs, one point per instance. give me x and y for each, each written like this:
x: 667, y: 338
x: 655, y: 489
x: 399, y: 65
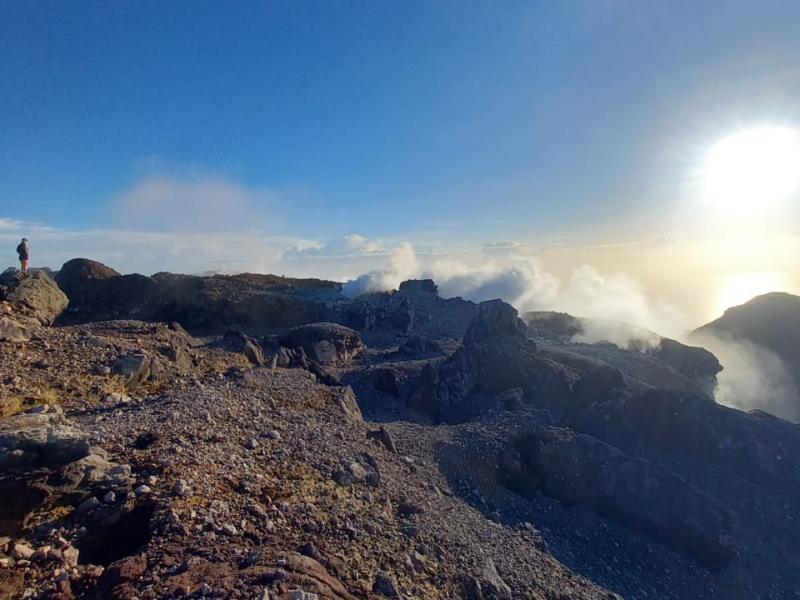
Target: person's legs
x: 24, y: 263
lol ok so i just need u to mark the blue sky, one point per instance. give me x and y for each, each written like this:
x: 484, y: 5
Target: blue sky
x: 441, y: 123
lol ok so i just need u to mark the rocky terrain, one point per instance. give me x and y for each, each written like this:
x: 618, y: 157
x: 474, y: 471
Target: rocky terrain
x: 257, y: 437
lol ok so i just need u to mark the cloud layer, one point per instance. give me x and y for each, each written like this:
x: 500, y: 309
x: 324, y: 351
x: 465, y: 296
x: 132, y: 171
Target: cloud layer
x: 199, y: 202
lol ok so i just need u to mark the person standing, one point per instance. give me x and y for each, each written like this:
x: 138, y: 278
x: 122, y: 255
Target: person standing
x: 24, y: 255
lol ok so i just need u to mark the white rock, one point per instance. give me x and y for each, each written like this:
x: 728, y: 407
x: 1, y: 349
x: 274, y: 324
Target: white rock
x: 142, y: 490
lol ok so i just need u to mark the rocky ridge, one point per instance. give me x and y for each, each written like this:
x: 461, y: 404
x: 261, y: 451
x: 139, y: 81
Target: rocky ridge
x: 398, y: 445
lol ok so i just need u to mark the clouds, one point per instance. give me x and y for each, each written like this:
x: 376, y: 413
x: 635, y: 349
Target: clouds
x: 523, y: 281
x: 147, y: 252
x: 347, y: 246
x: 403, y: 265
x: 13, y: 226
x: 194, y: 202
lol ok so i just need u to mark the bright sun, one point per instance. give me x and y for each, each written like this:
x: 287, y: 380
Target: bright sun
x: 753, y: 167
x: 742, y: 287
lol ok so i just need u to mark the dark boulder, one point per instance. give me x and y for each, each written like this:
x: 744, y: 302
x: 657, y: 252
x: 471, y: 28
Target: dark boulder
x: 325, y: 343
x: 239, y: 342
x: 598, y: 386
x: 495, y: 319
x: 99, y: 292
x: 496, y: 356
x: 413, y: 287
x: 42, y: 437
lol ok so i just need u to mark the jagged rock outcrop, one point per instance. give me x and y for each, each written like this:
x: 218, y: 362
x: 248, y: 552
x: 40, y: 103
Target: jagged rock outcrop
x: 695, y: 428
x: 698, y: 364
x: 42, y: 458
x: 578, y: 469
x: 324, y: 343
x: 36, y: 297
x: 495, y: 319
x: 380, y: 314
x: 645, y: 358
x: 496, y: 355
x: 238, y: 341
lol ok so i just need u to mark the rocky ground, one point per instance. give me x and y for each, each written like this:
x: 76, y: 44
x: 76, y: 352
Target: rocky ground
x: 241, y: 482
x: 435, y: 451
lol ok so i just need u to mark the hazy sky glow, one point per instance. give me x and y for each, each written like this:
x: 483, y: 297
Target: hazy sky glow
x: 273, y: 135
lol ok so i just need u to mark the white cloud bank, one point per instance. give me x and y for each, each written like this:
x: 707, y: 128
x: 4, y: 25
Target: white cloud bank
x: 523, y: 282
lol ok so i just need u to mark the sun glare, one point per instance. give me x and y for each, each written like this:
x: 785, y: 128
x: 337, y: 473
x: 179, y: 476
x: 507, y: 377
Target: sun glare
x: 742, y: 287
x: 753, y: 168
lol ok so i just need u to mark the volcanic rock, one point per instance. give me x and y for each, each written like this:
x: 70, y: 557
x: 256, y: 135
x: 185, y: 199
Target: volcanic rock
x: 37, y: 296
x: 135, y: 367
x: 238, y: 341
x: 325, y: 343
x: 11, y: 331
x: 693, y: 427
x: 418, y: 287
x: 48, y: 436
x: 495, y: 319
x: 579, y: 469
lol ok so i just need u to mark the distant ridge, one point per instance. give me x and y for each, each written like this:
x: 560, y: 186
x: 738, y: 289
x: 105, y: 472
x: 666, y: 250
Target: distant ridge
x: 771, y: 320
x: 748, y: 339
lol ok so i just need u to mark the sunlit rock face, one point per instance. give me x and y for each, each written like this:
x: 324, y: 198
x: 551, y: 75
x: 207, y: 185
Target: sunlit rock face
x: 35, y: 298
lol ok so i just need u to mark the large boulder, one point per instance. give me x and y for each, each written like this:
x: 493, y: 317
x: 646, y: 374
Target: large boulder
x: 581, y: 470
x: 98, y: 292
x: 238, y: 341
x: 495, y: 318
x: 324, y: 343
x: 37, y: 297
x: 74, y: 275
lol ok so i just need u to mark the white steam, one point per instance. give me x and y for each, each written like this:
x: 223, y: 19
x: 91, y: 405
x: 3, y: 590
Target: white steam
x: 523, y: 282
x: 623, y: 335
x: 402, y: 265
x: 753, y: 377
